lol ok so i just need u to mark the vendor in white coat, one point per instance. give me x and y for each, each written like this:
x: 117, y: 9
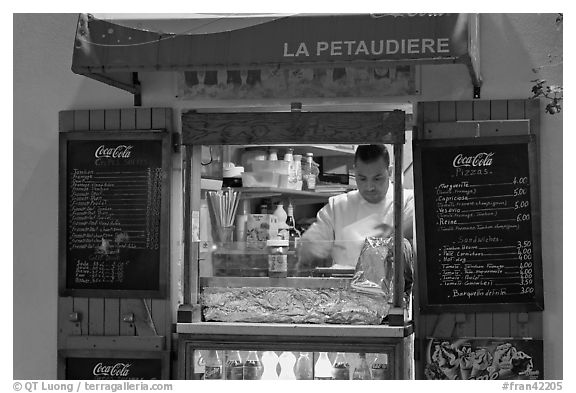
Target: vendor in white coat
x: 347, y: 219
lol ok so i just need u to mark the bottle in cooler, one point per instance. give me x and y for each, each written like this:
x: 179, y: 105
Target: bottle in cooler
x: 213, y: 365
x: 252, y: 366
x: 362, y: 371
x: 380, y: 368
x: 269, y: 363
x: 323, y: 367
x: 341, y: 367
x: 234, y: 366
x: 303, y: 366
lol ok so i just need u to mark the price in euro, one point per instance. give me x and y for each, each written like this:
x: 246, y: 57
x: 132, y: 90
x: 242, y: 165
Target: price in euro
x: 520, y: 180
x: 523, y: 217
x: 521, y: 205
x: 520, y: 191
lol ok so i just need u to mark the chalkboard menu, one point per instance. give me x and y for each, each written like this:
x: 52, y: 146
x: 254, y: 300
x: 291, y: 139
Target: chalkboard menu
x: 113, y: 213
x: 478, y: 224
x: 113, y: 365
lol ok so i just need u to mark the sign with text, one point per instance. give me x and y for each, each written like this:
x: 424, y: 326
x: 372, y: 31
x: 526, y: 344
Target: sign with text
x: 113, y: 219
x: 478, y: 225
x: 113, y: 365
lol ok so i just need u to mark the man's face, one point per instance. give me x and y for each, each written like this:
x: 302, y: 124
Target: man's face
x: 372, y: 179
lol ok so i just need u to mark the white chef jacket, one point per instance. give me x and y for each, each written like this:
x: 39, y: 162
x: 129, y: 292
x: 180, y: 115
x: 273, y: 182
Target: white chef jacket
x: 346, y: 220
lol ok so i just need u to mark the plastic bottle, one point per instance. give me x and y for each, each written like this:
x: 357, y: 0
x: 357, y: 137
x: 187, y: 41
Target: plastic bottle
x: 380, y: 368
x: 213, y: 365
x: 303, y: 366
x: 252, y: 366
x: 281, y: 215
x: 277, y: 258
x: 292, y: 176
x: 287, y: 361
x: 273, y: 155
x: 269, y: 363
x: 298, y: 170
x: 323, y: 367
x: 310, y: 172
x: 362, y: 371
x: 234, y: 366
x: 341, y: 367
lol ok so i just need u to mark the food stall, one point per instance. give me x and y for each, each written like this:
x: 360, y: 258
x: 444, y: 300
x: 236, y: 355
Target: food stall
x: 229, y: 305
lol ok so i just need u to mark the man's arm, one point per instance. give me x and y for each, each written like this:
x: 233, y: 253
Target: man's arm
x: 317, y: 242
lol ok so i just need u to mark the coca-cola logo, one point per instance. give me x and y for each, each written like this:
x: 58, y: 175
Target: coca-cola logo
x: 480, y: 159
x: 112, y: 370
x: 120, y: 151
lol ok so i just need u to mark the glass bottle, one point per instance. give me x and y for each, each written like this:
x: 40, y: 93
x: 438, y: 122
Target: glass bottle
x: 310, y: 172
x: 294, y: 234
x: 213, y: 365
x: 287, y: 361
x: 380, y: 367
x: 298, y: 169
x: 234, y: 366
x: 289, y: 157
x: 323, y: 367
x: 341, y: 367
x: 277, y: 258
x: 362, y: 371
x: 303, y: 366
x: 252, y: 366
x: 269, y: 363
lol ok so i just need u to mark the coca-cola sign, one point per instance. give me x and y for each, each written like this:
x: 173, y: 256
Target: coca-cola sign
x: 112, y: 370
x: 120, y: 151
x: 480, y: 159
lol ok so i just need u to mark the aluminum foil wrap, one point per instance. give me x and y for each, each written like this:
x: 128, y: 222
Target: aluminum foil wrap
x: 291, y: 305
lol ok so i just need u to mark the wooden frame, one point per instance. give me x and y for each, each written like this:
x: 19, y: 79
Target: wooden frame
x: 163, y: 356
x: 140, y: 135
x: 530, y: 141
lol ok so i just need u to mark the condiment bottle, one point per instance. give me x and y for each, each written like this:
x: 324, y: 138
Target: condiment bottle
x: 362, y: 371
x: 289, y: 157
x: 252, y: 366
x: 380, y: 367
x: 277, y: 258
x: 310, y: 172
x: 281, y: 216
x: 213, y: 365
x: 341, y: 367
x: 273, y: 155
x: 323, y: 367
x: 303, y: 366
x: 234, y: 366
x: 298, y: 170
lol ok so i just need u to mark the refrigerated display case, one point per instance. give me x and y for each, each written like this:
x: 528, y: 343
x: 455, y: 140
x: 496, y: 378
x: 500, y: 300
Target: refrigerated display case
x: 232, y: 303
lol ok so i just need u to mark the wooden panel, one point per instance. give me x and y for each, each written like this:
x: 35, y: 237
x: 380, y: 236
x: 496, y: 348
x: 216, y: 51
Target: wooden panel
x: 159, y: 119
x: 516, y: 109
x: 483, y: 324
x: 112, y: 119
x: 111, y: 317
x: 66, y: 121
x: 97, y: 120
x: 81, y: 307
x: 143, y: 118
x: 116, y: 343
x: 481, y: 110
x: 465, y: 325
x: 285, y: 127
x: 65, y: 326
x: 96, y: 316
x: 430, y: 113
x: 82, y: 120
x: 126, y: 328
x: 501, y: 324
x: 128, y: 119
x: 447, y: 111
x: 499, y: 110
x: 464, y: 110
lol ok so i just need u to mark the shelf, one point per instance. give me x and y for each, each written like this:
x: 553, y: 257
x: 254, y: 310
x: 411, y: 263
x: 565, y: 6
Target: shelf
x: 282, y: 329
x: 318, y: 150
x: 266, y: 192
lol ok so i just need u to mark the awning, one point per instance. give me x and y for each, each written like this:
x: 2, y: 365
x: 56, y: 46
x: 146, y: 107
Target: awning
x: 114, y: 49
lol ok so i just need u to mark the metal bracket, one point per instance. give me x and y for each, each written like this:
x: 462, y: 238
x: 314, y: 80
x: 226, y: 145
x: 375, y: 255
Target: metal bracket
x: 128, y: 317
x: 74, y: 317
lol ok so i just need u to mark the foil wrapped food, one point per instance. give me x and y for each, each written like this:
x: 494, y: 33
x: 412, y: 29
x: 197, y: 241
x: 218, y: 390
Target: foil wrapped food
x: 366, y: 302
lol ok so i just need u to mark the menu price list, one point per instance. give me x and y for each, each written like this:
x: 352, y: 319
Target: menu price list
x: 114, y: 206
x: 479, y: 244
